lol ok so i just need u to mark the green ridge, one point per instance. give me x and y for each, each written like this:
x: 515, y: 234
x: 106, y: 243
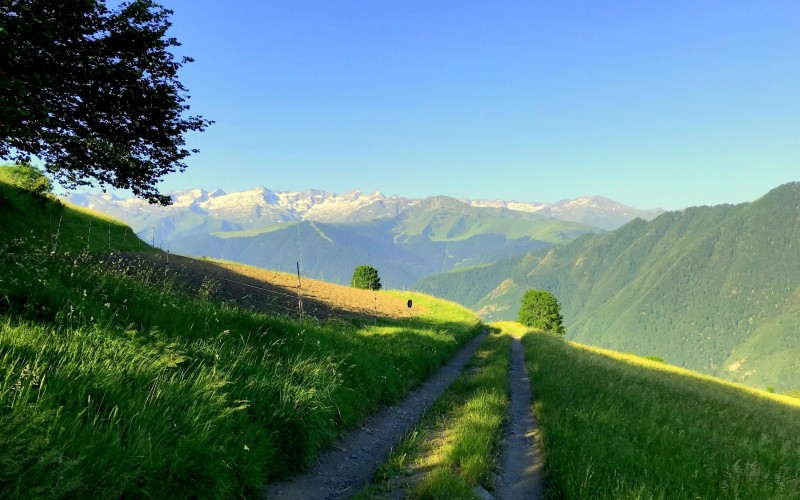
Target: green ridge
x: 713, y: 289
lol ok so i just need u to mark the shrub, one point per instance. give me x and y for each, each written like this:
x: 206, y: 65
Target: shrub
x: 366, y: 277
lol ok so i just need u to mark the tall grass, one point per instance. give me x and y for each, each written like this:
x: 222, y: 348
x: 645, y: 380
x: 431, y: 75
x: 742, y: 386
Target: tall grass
x: 116, y: 382
x: 44, y: 222
x: 454, y: 447
x: 619, y: 426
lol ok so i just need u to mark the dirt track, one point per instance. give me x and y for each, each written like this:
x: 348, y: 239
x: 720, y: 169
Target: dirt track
x: 340, y: 472
x: 523, y: 463
x: 274, y: 291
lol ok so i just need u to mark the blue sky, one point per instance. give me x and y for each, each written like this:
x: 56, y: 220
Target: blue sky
x: 666, y: 104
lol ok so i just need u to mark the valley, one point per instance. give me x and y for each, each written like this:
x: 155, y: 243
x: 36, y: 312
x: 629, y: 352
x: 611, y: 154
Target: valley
x: 392, y: 250
x: 106, y: 339
x: 328, y: 234
x: 713, y: 289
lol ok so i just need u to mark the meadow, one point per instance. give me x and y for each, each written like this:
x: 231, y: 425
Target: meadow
x: 120, y: 382
x: 619, y: 426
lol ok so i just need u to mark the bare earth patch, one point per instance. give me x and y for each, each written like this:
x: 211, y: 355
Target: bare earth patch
x: 274, y: 291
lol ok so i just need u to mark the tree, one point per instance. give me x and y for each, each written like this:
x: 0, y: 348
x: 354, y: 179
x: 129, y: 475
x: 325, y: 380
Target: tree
x: 28, y: 177
x: 93, y: 93
x: 366, y: 277
x: 540, y: 309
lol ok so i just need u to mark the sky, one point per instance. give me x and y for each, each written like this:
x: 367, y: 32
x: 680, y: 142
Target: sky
x: 653, y: 104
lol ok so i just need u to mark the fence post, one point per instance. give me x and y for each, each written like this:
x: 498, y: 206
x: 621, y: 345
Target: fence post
x: 299, y: 294
x: 58, y: 233
x: 109, y: 236
x: 89, y: 236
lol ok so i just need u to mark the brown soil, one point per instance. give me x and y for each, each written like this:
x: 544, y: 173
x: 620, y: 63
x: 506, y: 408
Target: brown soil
x: 523, y: 463
x: 275, y: 291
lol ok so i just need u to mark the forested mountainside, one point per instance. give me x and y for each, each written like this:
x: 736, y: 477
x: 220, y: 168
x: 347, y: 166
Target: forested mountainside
x: 716, y: 289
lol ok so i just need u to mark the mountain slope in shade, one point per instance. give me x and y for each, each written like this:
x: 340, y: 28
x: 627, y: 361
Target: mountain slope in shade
x: 433, y: 236
x: 715, y: 289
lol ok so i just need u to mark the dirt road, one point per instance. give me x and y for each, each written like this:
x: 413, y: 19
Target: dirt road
x: 522, y: 462
x: 342, y: 471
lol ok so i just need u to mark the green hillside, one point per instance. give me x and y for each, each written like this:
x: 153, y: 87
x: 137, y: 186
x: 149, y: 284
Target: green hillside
x: 710, y: 288
x: 438, y: 234
x: 43, y: 222
x: 619, y: 426
x: 115, y: 381
x: 446, y: 219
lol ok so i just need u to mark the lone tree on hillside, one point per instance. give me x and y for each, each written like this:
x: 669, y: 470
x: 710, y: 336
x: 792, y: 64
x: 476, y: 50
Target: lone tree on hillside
x: 93, y: 93
x: 541, y: 310
x: 366, y: 277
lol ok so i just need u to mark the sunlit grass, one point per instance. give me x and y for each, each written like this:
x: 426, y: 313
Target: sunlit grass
x: 116, y: 382
x: 454, y: 447
x: 619, y: 426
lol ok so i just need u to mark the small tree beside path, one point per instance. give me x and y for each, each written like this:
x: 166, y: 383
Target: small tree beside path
x: 540, y: 309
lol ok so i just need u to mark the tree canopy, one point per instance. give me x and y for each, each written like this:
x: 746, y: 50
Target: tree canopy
x: 540, y: 309
x: 93, y: 93
x: 366, y: 277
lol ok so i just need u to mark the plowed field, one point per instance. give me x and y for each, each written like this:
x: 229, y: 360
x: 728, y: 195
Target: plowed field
x: 275, y: 291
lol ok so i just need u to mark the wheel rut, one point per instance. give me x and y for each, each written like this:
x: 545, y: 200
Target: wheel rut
x: 342, y: 471
x: 522, y: 461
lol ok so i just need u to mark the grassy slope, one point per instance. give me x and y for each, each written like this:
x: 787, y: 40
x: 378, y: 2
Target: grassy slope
x: 619, y: 426
x: 35, y: 220
x: 114, y: 385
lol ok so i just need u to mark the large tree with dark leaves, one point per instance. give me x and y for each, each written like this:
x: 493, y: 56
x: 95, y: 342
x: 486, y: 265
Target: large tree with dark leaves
x: 93, y: 92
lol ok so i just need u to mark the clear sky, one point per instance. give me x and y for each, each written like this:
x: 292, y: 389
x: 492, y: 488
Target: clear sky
x: 666, y: 104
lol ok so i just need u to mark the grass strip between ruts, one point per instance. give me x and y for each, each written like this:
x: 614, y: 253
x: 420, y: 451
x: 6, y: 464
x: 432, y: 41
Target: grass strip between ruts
x: 455, y: 445
x: 620, y: 426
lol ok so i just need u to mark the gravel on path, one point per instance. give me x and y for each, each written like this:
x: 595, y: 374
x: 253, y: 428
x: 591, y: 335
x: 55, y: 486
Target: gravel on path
x: 342, y: 471
x: 522, y: 461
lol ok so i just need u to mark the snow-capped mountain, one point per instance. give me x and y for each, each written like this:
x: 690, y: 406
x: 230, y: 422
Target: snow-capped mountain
x: 594, y: 211
x: 198, y: 209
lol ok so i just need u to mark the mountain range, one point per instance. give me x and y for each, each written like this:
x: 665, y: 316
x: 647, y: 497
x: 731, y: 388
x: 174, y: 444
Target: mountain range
x: 715, y: 289
x: 330, y: 234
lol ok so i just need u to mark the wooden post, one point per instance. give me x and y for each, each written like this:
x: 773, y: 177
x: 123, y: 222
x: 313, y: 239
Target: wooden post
x: 299, y: 294
x: 89, y: 236
x: 58, y: 233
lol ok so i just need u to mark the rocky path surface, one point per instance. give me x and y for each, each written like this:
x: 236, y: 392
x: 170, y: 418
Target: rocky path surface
x: 342, y: 471
x: 522, y: 462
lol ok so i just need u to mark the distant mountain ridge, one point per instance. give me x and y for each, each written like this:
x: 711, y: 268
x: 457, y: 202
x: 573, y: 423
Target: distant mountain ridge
x: 261, y: 206
x: 594, y: 211
x: 715, y: 289
x: 330, y: 234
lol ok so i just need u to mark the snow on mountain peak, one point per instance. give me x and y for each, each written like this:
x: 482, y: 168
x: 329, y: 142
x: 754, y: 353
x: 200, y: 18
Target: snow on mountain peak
x: 261, y: 206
